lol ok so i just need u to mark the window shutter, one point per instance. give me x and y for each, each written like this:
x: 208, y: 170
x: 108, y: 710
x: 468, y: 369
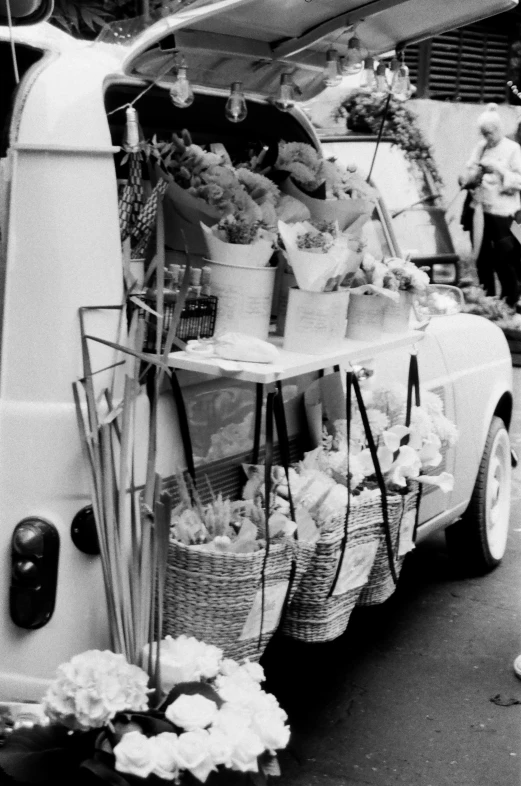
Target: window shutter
x: 470, y: 64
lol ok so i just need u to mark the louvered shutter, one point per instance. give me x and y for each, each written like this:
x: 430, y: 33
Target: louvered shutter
x: 470, y: 64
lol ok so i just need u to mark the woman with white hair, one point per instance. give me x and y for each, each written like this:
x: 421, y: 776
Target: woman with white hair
x: 493, y: 175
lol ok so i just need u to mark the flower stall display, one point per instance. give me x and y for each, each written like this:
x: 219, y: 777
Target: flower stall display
x: 328, y: 190
x: 321, y: 257
x: 212, y: 719
x: 228, y: 572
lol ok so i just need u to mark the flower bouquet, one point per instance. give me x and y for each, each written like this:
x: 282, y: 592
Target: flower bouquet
x: 330, y: 192
x: 321, y: 257
x: 239, y: 240
x: 212, y: 723
x: 228, y: 572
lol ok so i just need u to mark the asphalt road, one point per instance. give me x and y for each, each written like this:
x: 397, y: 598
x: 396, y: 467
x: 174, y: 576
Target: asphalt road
x: 419, y: 691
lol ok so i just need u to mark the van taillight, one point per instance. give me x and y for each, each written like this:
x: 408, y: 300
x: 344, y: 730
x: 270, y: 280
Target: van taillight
x: 35, y: 548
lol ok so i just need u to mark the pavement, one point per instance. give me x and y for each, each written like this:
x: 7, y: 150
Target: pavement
x: 419, y: 691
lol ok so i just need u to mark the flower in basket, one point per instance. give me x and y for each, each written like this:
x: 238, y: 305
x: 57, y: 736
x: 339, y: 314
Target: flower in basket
x: 320, y: 255
x: 404, y: 452
x: 214, y: 719
x: 223, y: 525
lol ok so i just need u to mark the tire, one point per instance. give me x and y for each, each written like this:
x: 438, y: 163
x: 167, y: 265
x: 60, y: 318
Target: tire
x: 478, y: 541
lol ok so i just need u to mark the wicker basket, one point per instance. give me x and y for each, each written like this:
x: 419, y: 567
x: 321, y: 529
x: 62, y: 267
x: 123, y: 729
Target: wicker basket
x: 218, y: 597
x: 312, y: 615
x: 380, y: 584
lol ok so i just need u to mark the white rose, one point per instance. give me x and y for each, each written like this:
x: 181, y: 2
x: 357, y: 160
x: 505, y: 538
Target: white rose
x: 133, y: 755
x: 271, y: 730
x: 246, y: 750
x: 232, y: 719
x: 192, y: 712
x: 194, y: 753
x: 185, y: 659
x: 254, y: 670
x: 228, y: 666
x: 237, y: 693
x: 164, y: 755
x: 221, y: 747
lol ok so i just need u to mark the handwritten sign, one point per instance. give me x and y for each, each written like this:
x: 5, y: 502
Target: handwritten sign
x: 356, y: 566
x: 274, y: 597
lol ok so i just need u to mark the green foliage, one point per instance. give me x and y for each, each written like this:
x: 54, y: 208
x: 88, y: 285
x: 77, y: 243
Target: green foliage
x: 85, y: 18
x: 364, y: 111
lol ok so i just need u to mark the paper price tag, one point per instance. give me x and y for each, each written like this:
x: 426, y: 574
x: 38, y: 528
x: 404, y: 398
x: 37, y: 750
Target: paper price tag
x: 356, y: 566
x: 274, y: 597
x: 406, y: 543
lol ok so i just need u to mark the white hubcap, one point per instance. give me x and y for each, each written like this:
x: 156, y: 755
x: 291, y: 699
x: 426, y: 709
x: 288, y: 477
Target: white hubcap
x: 498, y: 495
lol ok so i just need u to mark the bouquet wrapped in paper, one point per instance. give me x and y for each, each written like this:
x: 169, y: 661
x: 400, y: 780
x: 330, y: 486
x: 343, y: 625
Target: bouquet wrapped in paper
x: 331, y: 192
x: 321, y: 256
x: 238, y: 240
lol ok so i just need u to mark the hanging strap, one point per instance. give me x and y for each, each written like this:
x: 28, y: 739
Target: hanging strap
x: 378, y: 473
x: 183, y: 424
x: 268, y: 464
x: 413, y: 385
x: 259, y: 395
x: 349, y: 383
x: 282, y: 433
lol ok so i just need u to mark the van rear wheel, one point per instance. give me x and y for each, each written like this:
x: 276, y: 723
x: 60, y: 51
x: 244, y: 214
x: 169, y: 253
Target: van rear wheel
x: 478, y: 541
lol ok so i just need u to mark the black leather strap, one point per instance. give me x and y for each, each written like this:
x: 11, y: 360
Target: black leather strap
x: 413, y: 385
x: 268, y: 464
x: 379, y: 476
x: 282, y: 433
x: 343, y: 545
x: 184, y: 426
x: 259, y: 396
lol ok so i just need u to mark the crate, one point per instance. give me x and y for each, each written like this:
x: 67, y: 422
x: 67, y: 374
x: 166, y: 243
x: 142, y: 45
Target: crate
x: 197, y: 320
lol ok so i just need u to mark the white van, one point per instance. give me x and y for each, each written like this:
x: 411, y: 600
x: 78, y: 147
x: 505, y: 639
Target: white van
x: 61, y: 250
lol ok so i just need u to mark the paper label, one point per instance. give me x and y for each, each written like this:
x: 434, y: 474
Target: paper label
x: 406, y: 542
x: 274, y: 598
x: 356, y: 566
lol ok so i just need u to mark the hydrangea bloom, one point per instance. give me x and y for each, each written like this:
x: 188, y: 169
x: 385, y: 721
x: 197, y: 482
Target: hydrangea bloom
x: 92, y: 688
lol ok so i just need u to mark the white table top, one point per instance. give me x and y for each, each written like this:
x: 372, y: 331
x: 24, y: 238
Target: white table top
x: 292, y: 364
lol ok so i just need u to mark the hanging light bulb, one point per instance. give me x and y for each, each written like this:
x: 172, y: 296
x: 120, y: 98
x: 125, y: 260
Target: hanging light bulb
x: 181, y: 93
x: 285, y: 99
x: 401, y: 84
x: 132, y: 136
x: 236, y: 109
x: 367, y: 77
x: 354, y: 56
x: 382, y: 85
x: 332, y: 75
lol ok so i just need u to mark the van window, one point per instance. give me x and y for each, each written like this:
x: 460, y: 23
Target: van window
x: 26, y: 57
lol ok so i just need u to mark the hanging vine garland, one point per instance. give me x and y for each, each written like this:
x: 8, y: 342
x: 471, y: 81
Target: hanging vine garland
x: 363, y: 113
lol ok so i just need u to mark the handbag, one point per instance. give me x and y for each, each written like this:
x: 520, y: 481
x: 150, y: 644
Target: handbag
x: 467, y: 212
